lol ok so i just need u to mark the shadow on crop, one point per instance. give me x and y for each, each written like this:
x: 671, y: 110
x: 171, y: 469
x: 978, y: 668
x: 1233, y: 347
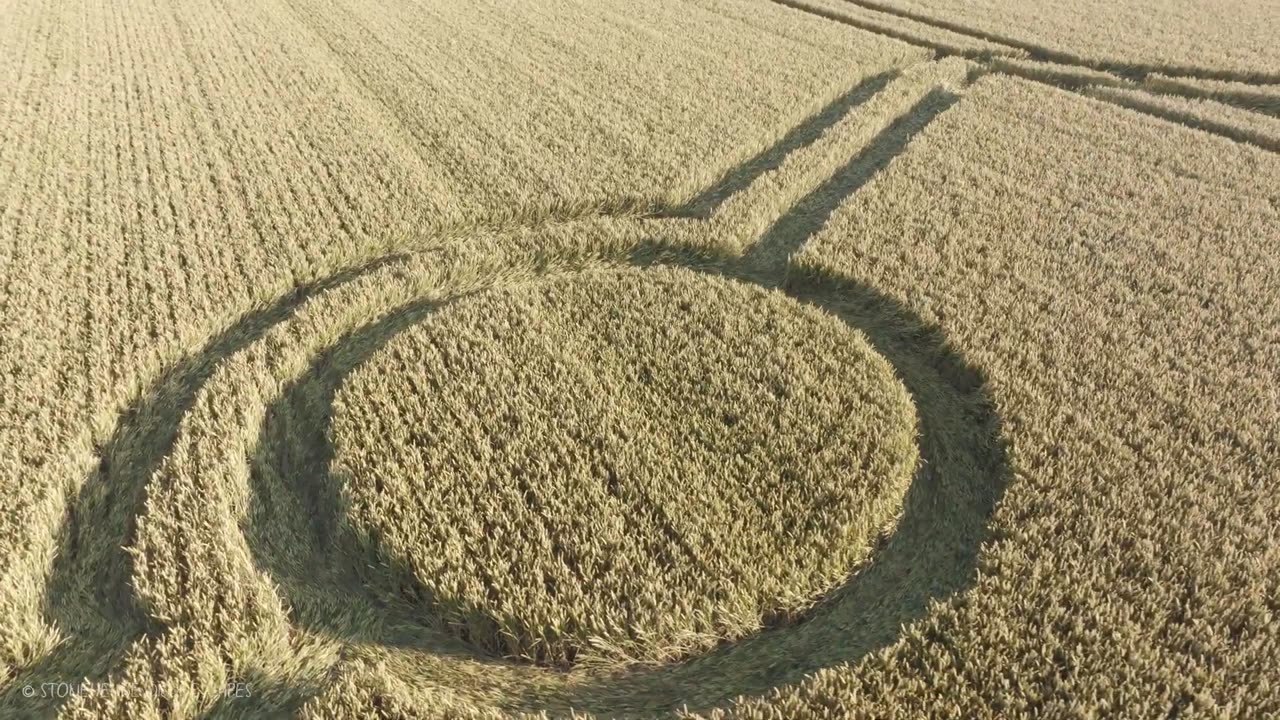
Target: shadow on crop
x: 932, y: 553
x: 737, y: 179
x: 297, y: 533
x: 88, y: 595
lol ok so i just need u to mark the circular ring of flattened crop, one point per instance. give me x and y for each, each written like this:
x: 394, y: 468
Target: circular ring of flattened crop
x: 261, y: 548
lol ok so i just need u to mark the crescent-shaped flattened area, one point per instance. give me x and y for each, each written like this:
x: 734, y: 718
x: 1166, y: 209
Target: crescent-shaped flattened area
x: 633, y: 464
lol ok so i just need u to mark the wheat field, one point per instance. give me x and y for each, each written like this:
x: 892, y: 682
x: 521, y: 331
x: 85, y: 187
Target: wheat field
x: 761, y: 359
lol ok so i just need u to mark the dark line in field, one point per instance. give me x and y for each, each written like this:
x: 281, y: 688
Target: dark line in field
x: 1133, y: 71
x: 1242, y: 99
x: 103, y: 514
x: 88, y: 594
x: 808, y: 216
x: 895, y: 33
x: 1053, y: 76
x: 808, y: 131
x: 1123, y: 74
x: 88, y: 591
x: 294, y: 434
x: 1151, y: 109
x: 1190, y: 120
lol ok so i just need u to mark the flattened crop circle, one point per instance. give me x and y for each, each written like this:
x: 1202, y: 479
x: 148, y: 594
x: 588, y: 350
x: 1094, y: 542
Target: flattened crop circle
x: 248, y: 483
x: 629, y: 463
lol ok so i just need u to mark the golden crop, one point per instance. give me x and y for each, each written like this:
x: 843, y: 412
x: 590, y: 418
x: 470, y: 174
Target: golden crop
x: 636, y: 463
x: 708, y: 358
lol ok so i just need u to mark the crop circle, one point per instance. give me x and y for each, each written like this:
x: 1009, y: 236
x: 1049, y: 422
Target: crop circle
x: 255, y: 458
x: 636, y: 464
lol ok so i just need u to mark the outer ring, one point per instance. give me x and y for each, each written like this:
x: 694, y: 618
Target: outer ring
x: 956, y: 422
